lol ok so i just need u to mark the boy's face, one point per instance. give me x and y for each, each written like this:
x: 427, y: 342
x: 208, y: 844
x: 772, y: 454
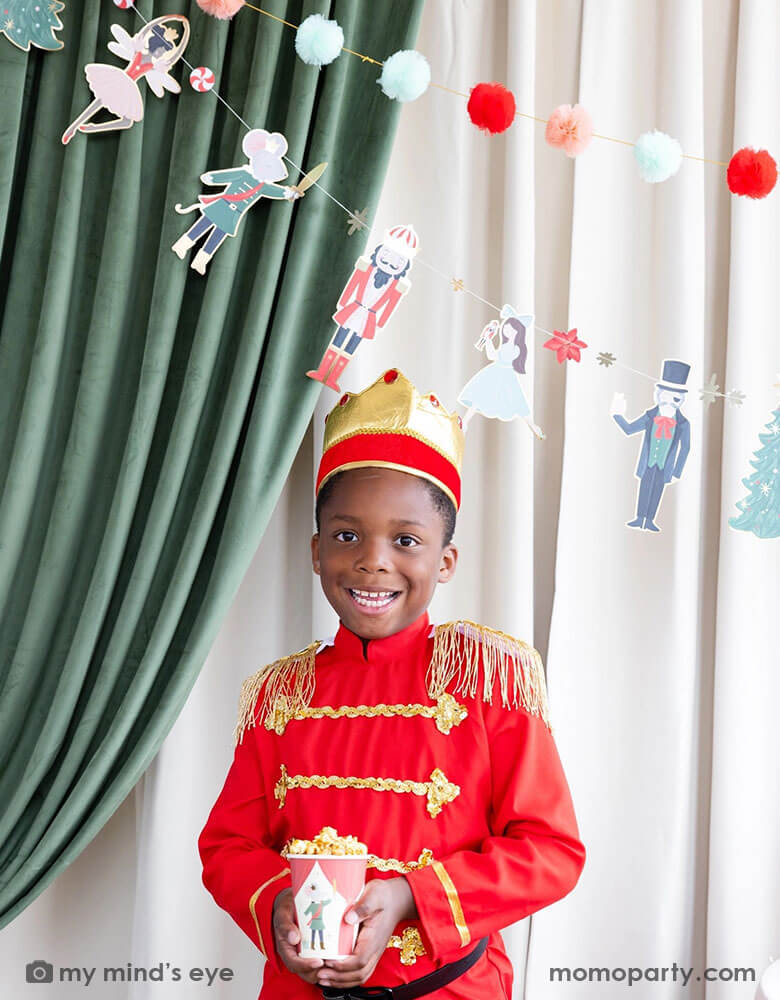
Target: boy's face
x: 379, y: 551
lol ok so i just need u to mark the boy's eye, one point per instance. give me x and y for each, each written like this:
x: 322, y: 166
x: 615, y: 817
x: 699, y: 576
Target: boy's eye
x: 339, y: 535
x: 407, y: 541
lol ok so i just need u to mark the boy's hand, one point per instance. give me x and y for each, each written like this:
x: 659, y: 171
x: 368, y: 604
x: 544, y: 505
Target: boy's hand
x: 383, y: 903
x: 287, y: 936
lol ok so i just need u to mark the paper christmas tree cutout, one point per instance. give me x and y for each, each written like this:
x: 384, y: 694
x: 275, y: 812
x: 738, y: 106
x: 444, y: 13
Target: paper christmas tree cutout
x: 760, y: 510
x: 31, y: 22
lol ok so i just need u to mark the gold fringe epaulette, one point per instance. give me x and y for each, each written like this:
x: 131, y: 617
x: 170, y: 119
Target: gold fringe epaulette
x: 456, y: 657
x: 288, y: 681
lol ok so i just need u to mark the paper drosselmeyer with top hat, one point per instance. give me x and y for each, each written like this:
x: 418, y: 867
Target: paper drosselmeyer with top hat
x: 150, y: 54
x: 221, y: 214
x: 433, y: 745
x: 666, y: 441
x: 370, y: 297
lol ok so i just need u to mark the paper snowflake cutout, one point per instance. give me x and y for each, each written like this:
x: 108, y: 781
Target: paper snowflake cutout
x: 735, y: 397
x: 709, y: 391
x: 566, y: 345
x: 606, y: 359
x: 357, y: 220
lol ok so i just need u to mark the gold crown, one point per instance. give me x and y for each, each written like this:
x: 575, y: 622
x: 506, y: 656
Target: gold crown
x: 369, y: 427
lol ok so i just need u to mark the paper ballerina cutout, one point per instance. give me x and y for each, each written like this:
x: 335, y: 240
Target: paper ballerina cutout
x: 666, y: 441
x: 375, y: 287
x: 221, y: 214
x: 150, y: 53
x: 495, y: 391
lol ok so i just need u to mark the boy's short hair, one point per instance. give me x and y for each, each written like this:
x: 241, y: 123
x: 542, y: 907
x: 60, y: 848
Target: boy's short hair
x: 439, y: 499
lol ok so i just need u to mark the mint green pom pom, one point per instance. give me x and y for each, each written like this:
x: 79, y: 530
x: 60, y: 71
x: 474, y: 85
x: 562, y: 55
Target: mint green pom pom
x: 658, y: 155
x: 405, y: 75
x: 318, y: 41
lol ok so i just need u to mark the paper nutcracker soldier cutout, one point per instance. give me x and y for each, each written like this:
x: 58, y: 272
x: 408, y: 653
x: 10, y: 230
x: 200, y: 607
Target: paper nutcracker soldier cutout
x: 666, y: 441
x: 370, y: 297
x: 150, y: 54
x: 221, y: 214
x: 495, y: 391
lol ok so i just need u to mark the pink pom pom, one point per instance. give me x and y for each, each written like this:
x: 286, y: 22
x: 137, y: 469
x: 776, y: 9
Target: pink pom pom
x: 491, y: 107
x: 570, y: 129
x: 752, y: 173
x: 223, y: 9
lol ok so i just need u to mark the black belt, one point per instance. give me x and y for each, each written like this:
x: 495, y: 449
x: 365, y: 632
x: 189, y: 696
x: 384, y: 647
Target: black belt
x: 416, y: 988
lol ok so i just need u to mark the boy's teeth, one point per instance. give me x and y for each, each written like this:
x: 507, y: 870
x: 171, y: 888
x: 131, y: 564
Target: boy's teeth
x: 372, y: 598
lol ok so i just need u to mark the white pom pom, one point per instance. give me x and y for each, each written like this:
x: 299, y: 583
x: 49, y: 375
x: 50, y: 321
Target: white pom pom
x: 318, y: 41
x: 405, y: 75
x: 658, y: 155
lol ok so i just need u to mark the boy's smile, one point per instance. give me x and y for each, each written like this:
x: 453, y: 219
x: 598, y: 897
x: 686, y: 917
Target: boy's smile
x: 379, y: 551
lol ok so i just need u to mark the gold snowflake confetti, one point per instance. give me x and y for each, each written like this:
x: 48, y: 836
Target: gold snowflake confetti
x: 606, y: 359
x: 357, y: 220
x: 735, y: 397
x: 709, y: 391
x: 457, y: 284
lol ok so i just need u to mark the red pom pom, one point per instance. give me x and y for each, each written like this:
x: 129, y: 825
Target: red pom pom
x: 391, y: 375
x: 491, y: 107
x: 751, y: 172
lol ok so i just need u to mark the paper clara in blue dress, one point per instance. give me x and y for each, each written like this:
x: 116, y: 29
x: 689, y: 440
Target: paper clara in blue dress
x: 495, y: 391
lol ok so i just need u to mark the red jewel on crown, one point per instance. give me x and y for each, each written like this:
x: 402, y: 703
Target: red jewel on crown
x: 434, y: 400
x: 391, y: 376
x: 344, y: 399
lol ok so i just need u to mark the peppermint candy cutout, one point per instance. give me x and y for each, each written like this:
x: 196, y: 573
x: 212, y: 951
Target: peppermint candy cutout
x: 201, y: 79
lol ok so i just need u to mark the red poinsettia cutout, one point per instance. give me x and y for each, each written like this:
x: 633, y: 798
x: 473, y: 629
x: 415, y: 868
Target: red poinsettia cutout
x: 565, y: 345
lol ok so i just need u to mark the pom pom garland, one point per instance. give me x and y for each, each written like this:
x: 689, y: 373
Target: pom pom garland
x: 751, y: 172
x: 223, y: 9
x: 658, y: 155
x: 405, y: 75
x: 491, y: 107
x: 570, y: 129
x: 318, y: 41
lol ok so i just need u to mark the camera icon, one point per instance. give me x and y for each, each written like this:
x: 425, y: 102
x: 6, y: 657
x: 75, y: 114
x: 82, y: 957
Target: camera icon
x: 39, y: 972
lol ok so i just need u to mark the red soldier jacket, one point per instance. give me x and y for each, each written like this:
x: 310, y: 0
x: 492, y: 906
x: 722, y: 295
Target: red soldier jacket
x: 380, y: 311
x: 433, y: 747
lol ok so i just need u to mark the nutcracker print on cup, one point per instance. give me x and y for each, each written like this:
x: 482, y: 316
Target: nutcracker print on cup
x: 328, y: 875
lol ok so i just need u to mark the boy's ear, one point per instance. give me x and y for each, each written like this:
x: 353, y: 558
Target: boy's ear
x: 315, y: 553
x: 449, y: 560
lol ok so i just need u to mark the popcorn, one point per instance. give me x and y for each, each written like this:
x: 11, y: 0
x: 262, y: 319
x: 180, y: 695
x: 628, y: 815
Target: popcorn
x: 327, y: 841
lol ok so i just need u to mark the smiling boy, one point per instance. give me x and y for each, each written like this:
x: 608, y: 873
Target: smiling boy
x: 430, y: 744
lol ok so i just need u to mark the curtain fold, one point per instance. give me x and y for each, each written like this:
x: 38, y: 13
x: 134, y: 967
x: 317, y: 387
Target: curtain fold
x: 149, y: 416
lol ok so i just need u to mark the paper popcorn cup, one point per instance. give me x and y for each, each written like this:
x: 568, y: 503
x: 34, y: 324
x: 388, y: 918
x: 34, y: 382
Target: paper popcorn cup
x: 324, y: 886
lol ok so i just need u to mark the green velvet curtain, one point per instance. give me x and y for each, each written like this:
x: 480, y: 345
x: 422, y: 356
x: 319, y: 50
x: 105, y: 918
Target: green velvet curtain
x: 148, y: 415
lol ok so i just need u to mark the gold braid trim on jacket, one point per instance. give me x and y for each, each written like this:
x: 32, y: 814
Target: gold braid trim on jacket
x: 456, y: 657
x: 290, y: 682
